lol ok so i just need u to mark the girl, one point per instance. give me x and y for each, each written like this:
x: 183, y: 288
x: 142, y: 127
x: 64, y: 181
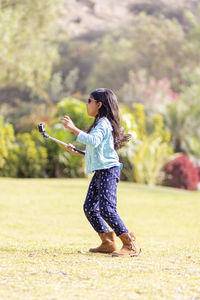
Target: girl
x: 102, y: 140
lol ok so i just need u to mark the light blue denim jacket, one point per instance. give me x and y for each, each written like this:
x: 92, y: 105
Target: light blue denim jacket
x: 99, y: 152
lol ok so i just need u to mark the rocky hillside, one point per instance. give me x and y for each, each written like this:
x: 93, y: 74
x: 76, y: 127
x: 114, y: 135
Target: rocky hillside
x: 103, y: 15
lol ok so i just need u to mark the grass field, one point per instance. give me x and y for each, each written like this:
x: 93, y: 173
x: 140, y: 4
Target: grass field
x: 45, y: 238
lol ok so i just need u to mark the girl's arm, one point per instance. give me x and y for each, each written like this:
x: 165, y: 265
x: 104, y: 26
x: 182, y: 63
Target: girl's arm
x: 93, y: 139
x: 97, y: 135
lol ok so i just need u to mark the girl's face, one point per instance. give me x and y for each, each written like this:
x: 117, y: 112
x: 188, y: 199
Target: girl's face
x: 93, y: 107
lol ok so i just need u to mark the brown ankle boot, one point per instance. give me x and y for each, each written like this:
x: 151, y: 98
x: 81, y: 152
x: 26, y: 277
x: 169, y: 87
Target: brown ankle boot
x: 129, y: 247
x: 108, y: 243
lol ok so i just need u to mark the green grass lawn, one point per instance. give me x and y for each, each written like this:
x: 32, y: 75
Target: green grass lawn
x: 45, y: 238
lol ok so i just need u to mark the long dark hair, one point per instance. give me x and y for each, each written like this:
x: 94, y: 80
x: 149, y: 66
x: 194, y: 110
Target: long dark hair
x: 110, y: 110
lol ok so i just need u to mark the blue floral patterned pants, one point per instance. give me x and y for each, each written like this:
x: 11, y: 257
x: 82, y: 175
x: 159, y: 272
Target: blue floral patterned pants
x: 101, y: 202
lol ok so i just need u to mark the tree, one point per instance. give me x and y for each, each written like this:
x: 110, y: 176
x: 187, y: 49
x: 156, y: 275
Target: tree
x: 151, y: 44
x: 182, y: 118
x: 27, y: 46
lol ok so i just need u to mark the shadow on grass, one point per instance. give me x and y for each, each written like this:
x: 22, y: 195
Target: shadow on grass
x: 52, y: 252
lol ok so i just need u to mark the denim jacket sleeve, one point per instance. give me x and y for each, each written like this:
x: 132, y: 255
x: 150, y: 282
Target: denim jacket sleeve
x: 95, y: 137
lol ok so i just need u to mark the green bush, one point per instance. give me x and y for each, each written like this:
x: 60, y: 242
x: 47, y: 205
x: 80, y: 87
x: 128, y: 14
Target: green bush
x: 150, y: 159
x: 61, y: 163
x: 72, y: 166
x: 7, y: 139
x: 20, y: 156
x: 32, y: 159
x: 145, y: 155
x: 152, y: 154
x: 8, y: 157
x: 76, y: 109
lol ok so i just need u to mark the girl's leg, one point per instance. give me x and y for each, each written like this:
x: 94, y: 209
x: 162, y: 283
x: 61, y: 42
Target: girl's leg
x: 91, y: 207
x: 108, y: 199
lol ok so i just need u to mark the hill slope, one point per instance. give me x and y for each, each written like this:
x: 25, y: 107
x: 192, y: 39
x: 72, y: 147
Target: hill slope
x: 89, y: 15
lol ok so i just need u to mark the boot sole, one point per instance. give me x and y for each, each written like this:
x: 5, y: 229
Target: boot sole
x: 130, y: 255
x: 100, y: 252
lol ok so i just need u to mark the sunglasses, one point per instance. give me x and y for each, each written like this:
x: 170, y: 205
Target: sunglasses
x: 90, y: 100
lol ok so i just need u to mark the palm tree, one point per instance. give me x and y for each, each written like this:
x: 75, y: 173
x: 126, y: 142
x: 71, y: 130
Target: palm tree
x: 183, y: 120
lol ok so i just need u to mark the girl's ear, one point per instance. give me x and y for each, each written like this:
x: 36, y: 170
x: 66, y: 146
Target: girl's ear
x: 99, y: 104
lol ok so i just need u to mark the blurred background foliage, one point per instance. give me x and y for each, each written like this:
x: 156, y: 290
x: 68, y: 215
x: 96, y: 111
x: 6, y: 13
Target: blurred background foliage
x: 151, y: 63
x: 28, y: 47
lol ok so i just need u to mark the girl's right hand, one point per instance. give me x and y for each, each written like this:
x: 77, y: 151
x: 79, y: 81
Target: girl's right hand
x: 70, y: 148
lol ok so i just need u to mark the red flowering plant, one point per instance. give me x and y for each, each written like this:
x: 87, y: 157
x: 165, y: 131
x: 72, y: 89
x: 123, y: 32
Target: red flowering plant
x: 153, y: 94
x: 181, y: 173
x: 198, y: 170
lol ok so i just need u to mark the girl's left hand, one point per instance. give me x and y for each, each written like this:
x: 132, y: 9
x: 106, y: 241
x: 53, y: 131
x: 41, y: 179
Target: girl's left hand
x: 68, y: 123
